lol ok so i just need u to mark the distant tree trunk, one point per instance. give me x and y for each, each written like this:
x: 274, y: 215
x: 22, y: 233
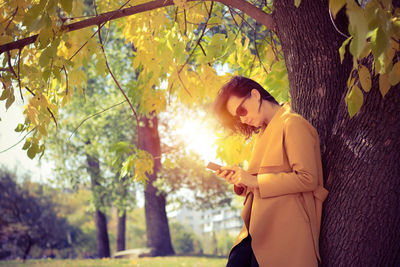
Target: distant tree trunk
x: 158, y: 236
x: 103, y: 243
x: 28, y: 248
x: 121, y: 231
x: 361, y: 216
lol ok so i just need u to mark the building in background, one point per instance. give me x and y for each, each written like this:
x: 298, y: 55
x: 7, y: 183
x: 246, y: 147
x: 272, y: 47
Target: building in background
x: 208, y: 221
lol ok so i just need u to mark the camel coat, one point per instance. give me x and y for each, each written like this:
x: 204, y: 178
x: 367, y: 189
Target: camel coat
x: 283, y: 215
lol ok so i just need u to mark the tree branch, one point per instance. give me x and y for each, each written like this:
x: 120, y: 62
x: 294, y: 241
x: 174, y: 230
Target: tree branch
x: 242, y: 5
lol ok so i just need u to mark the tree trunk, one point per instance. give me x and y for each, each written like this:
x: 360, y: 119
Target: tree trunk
x: 121, y: 231
x: 361, y: 215
x: 158, y: 236
x: 103, y: 243
x: 27, y: 249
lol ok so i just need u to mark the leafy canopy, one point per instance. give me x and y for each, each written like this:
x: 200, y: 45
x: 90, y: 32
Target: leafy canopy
x: 179, y: 51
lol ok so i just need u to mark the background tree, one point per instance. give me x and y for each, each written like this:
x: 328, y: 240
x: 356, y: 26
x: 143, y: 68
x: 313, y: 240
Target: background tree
x: 351, y: 100
x: 29, y: 218
x: 86, y: 144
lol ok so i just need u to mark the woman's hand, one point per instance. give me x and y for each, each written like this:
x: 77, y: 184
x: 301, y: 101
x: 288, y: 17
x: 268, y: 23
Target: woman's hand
x: 237, y: 176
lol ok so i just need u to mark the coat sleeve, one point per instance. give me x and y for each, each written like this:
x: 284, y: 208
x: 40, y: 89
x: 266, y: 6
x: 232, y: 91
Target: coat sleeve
x: 299, y: 143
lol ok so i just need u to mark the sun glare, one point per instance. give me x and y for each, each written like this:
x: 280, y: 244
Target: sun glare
x: 198, y: 137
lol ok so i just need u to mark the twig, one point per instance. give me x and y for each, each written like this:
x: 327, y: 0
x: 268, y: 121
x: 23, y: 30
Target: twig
x: 5, y: 150
x: 116, y: 82
x: 93, y: 115
x: 257, y: 53
x: 184, y: 87
x: 184, y: 15
x: 243, y: 19
x: 11, y: 19
x: 194, y: 49
x: 233, y: 18
x: 66, y: 79
x: 99, y: 28
x: 52, y: 115
x: 200, y: 38
x: 10, y: 65
x: 19, y: 76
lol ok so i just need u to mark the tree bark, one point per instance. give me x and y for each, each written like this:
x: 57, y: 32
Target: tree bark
x: 103, y: 243
x: 158, y: 235
x: 121, y: 231
x: 361, y: 216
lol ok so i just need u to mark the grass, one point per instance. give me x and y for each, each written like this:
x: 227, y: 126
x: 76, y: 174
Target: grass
x: 173, y: 261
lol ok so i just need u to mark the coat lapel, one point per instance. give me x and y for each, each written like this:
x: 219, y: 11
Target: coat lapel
x: 268, y: 149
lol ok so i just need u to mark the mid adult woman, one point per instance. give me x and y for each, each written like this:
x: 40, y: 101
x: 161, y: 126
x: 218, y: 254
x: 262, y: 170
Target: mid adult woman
x: 283, y: 186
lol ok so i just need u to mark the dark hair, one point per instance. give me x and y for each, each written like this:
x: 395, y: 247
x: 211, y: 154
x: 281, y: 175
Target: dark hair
x: 240, y: 87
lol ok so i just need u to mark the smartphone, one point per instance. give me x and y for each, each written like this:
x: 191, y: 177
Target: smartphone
x: 213, y: 166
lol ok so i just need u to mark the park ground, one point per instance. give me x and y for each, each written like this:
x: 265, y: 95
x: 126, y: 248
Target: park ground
x: 172, y: 261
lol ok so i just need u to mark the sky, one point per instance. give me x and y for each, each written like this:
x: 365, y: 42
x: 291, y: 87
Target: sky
x: 15, y: 158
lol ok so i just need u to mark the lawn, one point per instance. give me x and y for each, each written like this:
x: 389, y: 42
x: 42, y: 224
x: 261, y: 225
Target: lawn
x: 172, y: 261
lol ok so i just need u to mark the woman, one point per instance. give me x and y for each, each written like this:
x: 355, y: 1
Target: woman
x: 283, y: 185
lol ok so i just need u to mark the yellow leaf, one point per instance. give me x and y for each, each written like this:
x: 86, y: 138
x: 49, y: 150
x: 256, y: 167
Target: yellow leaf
x: 394, y: 75
x: 365, y: 78
x: 66, y: 5
x: 354, y: 100
x: 384, y: 84
x: 342, y: 48
x: 335, y: 6
x: 6, y: 39
x: 358, y: 28
x: 45, y: 37
x: 10, y: 100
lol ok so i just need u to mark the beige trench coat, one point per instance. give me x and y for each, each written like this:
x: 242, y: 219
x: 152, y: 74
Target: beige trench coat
x: 283, y: 215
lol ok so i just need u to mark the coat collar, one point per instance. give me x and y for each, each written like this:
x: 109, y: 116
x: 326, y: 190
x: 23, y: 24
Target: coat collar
x: 268, y: 150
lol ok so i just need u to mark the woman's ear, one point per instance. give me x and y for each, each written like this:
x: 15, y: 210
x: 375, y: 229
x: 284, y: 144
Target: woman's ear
x: 255, y: 93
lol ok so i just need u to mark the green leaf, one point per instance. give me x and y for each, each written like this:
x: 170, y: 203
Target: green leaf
x: 335, y: 6
x: 19, y: 128
x: 297, y: 3
x: 379, y: 42
x: 384, y: 84
x: 10, y: 100
x: 45, y: 37
x: 214, y: 20
x: 5, y: 94
x: 394, y: 75
x: 342, y: 48
x: 365, y: 78
x: 66, y: 5
x: 31, y: 152
x: 45, y: 57
x: 51, y: 6
x: 358, y: 28
x: 28, y: 143
x: 354, y: 100
x: 37, y: 23
x: 46, y: 74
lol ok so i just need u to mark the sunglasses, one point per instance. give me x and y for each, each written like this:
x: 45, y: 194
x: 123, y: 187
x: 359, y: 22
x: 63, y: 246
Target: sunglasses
x: 240, y: 110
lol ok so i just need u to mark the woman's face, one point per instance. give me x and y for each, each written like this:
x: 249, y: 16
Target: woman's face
x: 246, y: 108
